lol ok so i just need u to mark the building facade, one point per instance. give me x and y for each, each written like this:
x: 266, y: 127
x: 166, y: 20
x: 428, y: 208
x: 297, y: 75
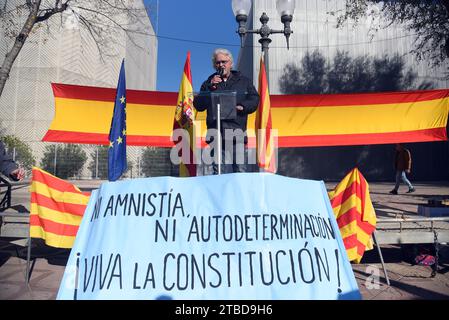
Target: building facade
x: 63, y: 51
x: 314, y: 29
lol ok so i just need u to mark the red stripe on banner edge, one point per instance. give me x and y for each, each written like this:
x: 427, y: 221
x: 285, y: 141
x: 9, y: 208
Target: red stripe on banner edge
x: 131, y: 140
x: 355, y: 99
x: 69, y: 91
x: 277, y: 101
x: 103, y: 139
x: 425, y: 135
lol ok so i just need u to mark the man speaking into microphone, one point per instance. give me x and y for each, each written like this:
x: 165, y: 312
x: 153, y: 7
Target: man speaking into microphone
x: 232, y: 131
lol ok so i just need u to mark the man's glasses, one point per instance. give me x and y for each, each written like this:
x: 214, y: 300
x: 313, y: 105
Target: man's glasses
x: 221, y: 62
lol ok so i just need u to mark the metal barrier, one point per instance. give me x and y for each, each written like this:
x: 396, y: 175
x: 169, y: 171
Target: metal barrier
x: 5, y: 203
x: 411, y: 231
x: 16, y: 225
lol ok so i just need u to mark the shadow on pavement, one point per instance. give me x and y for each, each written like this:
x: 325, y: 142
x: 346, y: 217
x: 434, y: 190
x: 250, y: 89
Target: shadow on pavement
x: 391, y: 254
x: 405, y: 253
x: 419, y: 292
x: 20, y: 208
x: 383, y: 210
x: 54, y: 256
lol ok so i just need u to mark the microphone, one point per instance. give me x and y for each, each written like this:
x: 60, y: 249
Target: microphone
x: 220, y: 72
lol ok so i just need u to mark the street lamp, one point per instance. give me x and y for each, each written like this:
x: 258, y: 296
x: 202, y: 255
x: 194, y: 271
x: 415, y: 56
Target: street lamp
x: 241, y: 10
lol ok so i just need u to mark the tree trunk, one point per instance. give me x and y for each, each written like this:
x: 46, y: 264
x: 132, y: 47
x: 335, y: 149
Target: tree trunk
x: 18, y: 44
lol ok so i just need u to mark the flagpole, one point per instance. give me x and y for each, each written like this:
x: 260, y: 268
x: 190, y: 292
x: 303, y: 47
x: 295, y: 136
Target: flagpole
x: 219, y: 137
x: 28, y: 258
x: 265, y: 61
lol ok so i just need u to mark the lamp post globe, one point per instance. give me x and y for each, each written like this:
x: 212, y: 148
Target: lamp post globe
x: 241, y: 7
x: 285, y: 7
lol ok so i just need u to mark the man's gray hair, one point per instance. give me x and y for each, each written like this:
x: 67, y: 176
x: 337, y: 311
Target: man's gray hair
x: 218, y: 51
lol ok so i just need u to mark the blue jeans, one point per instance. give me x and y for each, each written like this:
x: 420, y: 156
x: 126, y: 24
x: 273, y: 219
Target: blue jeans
x: 400, y: 175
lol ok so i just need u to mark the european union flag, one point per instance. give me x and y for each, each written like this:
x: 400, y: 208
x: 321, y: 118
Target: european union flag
x: 117, y: 136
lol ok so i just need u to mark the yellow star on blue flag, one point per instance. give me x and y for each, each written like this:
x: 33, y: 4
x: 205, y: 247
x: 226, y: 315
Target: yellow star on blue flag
x: 117, y: 151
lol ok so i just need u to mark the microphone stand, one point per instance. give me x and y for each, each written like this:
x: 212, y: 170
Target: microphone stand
x: 220, y: 73
x: 219, y: 136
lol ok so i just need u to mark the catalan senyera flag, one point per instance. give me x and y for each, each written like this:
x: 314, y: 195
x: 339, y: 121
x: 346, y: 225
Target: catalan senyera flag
x: 265, y: 141
x: 355, y: 214
x: 57, y: 208
x: 185, y: 115
x: 82, y: 115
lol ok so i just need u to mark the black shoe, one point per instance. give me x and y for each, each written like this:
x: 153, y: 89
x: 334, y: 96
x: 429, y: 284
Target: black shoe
x: 394, y: 191
x: 411, y: 190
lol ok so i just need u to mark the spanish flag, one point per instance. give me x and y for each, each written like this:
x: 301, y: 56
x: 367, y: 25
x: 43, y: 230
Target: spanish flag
x: 354, y: 213
x: 83, y: 115
x: 57, y: 208
x: 265, y: 140
x: 184, y: 119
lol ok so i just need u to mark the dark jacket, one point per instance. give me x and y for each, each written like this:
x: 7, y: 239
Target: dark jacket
x: 247, y: 97
x: 403, y: 160
x: 7, y: 165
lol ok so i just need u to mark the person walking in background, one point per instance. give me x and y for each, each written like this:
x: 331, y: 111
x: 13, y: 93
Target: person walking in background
x: 8, y: 167
x: 403, y: 165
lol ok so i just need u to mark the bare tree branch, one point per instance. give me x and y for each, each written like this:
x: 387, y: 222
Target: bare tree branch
x: 47, y: 13
x: 429, y: 19
x: 115, y: 23
x: 101, y: 19
x: 18, y: 44
x: 92, y: 33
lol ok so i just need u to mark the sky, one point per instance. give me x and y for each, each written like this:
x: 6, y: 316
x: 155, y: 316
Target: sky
x: 198, y: 26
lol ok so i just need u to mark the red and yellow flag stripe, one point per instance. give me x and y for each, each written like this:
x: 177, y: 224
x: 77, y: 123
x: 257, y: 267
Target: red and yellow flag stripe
x: 82, y: 115
x: 57, y: 208
x: 352, y: 119
x: 355, y: 214
x: 185, y: 114
x: 265, y: 141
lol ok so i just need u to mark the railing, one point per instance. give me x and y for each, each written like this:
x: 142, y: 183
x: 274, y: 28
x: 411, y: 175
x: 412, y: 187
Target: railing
x: 6, y: 200
x: 404, y: 233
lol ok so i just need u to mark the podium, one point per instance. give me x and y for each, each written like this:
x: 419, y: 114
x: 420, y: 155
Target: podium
x: 221, y: 105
